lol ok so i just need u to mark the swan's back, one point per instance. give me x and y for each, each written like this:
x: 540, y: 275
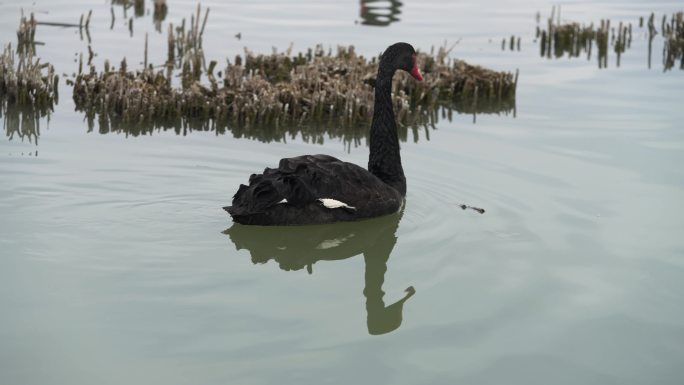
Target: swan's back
x: 312, y: 189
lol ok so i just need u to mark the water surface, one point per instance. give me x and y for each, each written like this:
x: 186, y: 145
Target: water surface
x: 119, y: 266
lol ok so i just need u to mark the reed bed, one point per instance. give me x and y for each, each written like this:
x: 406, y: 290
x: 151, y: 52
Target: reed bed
x: 24, y: 80
x: 282, y: 89
x: 674, y: 41
x: 279, y: 89
x: 28, y: 92
x: 574, y: 39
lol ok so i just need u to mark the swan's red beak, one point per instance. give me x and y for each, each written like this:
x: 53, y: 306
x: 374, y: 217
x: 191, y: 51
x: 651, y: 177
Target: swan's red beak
x: 415, y: 72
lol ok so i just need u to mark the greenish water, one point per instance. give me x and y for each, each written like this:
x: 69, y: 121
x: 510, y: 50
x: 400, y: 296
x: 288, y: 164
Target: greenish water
x: 117, y: 264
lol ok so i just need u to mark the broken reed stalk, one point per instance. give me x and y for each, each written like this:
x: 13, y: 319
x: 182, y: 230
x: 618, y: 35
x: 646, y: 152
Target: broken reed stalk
x: 87, y: 22
x: 171, y: 56
x: 204, y: 23
x: 145, y: 60
x: 281, y: 89
x: 512, y: 42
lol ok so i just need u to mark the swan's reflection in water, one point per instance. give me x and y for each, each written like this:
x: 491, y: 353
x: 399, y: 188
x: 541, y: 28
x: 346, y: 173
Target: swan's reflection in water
x: 298, y: 247
x: 380, y: 13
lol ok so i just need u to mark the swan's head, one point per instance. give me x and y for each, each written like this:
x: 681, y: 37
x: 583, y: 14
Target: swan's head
x: 401, y: 56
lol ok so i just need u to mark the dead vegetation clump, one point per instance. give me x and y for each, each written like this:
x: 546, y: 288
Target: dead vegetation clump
x: 573, y: 39
x: 28, y: 92
x: 28, y: 88
x: 24, y: 80
x: 674, y: 41
x: 285, y: 89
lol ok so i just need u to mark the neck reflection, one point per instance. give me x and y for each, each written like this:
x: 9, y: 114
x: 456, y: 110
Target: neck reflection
x: 298, y: 247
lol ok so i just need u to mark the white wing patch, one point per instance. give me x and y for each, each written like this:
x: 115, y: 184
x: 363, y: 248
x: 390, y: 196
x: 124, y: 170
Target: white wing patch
x: 334, y: 204
x: 283, y: 201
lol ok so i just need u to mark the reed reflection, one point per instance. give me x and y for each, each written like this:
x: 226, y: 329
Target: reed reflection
x: 380, y: 13
x: 23, y: 123
x: 313, y: 132
x: 298, y: 247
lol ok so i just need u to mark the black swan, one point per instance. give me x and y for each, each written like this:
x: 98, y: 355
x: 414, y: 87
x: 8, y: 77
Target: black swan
x: 315, y: 189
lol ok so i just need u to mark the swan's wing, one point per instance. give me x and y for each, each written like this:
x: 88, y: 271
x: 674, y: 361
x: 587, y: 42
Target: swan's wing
x: 312, y: 179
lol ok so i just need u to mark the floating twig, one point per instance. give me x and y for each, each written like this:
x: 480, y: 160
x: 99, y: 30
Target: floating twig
x: 56, y: 24
x: 479, y: 210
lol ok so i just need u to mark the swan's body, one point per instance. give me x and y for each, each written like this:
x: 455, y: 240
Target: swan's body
x: 307, y: 183
x: 313, y: 189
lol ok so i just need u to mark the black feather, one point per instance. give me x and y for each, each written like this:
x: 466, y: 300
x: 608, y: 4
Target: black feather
x: 302, y: 181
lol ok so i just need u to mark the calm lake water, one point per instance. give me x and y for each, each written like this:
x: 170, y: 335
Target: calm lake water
x: 118, y: 265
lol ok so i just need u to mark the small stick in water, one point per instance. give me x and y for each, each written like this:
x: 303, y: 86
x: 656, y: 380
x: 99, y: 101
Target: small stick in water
x: 479, y: 210
x: 52, y: 24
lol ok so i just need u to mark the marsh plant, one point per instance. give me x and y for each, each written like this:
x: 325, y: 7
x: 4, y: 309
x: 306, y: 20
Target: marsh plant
x: 571, y: 39
x: 282, y: 89
x: 674, y: 41
x: 28, y: 92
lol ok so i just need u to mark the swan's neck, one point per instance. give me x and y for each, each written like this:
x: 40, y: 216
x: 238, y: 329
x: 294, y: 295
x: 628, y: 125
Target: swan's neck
x: 384, y: 160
